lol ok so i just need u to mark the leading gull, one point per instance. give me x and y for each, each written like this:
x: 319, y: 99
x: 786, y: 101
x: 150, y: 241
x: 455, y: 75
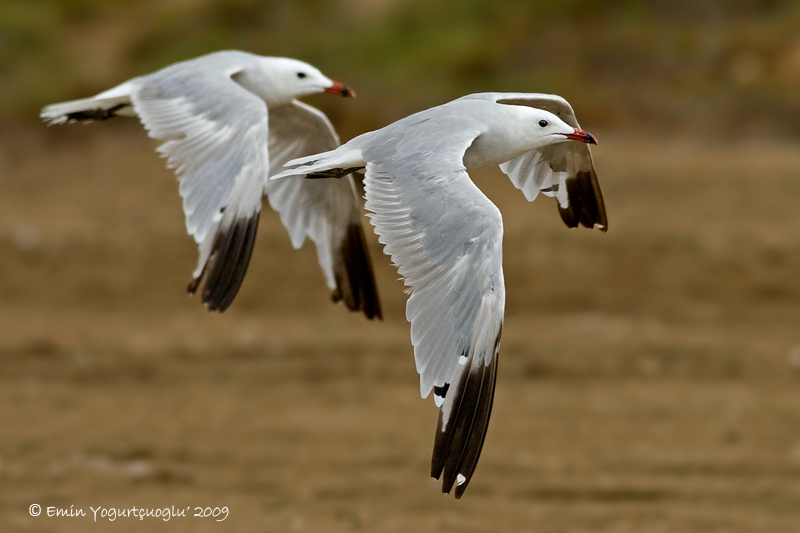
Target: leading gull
x: 445, y: 236
x: 230, y: 119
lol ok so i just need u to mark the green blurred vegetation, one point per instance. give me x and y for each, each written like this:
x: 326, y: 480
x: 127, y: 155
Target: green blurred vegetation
x: 730, y: 68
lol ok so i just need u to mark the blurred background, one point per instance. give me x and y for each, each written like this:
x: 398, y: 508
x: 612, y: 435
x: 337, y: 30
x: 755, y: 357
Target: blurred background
x: 727, y: 68
x: 649, y: 377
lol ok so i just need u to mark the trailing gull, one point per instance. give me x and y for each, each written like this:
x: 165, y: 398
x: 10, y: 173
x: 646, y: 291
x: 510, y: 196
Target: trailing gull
x: 230, y: 119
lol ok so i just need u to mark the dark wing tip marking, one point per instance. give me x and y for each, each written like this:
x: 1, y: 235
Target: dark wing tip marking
x: 456, y: 450
x: 586, y: 206
x: 441, y: 392
x: 553, y: 106
x: 224, y: 272
x: 355, y: 279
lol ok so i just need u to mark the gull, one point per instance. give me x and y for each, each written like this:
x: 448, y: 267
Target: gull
x: 230, y: 119
x: 445, y: 236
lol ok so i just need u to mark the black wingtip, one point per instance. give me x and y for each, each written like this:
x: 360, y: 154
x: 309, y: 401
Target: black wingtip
x: 586, y: 206
x: 192, y: 287
x: 457, y: 448
x: 355, y: 279
x: 223, y: 274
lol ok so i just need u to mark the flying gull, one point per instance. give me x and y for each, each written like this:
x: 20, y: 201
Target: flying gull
x: 230, y: 119
x: 445, y: 236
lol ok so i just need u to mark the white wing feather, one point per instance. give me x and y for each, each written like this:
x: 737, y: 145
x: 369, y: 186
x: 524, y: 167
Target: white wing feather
x: 445, y: 237
x: 320, y: 209
x: 215, y: 141
x: 325, y: 210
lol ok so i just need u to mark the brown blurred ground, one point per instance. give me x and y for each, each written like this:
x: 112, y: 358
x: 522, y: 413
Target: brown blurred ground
x: 649, y: 378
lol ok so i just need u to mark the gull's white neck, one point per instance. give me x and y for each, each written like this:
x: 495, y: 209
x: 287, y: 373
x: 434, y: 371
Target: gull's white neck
x: 257, y: 78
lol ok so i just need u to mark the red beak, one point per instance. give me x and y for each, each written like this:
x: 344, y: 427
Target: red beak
x: 582, y: 136
x: 340, y: 89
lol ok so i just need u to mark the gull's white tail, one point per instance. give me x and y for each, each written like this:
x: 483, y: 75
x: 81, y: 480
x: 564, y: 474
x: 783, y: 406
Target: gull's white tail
x: 116, y: 101
x: 343, y: 158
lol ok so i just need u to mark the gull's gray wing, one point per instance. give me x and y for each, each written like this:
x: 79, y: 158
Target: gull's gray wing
x: 325, y: 210
x: 445, y: 237
x: 564, y: 170
x: 216, y: 138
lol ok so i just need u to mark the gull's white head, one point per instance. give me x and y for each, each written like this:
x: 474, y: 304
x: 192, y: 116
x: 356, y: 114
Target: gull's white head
x: 281, y: 79
x: 516, y: 129
x: 550, y: 129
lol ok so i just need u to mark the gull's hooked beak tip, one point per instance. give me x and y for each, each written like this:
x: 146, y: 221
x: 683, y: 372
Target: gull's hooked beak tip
x: 582, y: 136
x: 341, y: 89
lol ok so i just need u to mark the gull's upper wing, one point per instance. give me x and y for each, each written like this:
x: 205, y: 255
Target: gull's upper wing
x: 216, y: 138
x: 445, y: 237
x: 326, y: 210
x: 564, y: 170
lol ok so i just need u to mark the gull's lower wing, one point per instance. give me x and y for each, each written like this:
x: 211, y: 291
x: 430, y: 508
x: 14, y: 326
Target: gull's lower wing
x: 215, y: 133
x: 445, y: 237
x: 325, y: 210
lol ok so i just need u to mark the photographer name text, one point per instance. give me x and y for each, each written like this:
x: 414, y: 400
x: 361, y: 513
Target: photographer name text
x: 112, y: 513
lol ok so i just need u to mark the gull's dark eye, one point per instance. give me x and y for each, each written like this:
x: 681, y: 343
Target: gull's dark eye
x: 301, y: 75
x: 543, y: 123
